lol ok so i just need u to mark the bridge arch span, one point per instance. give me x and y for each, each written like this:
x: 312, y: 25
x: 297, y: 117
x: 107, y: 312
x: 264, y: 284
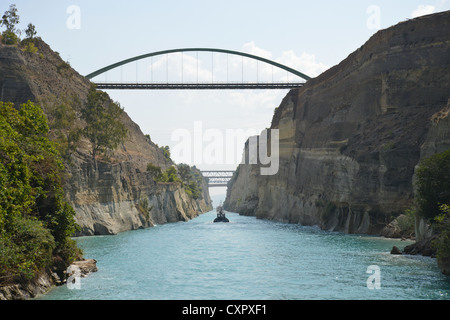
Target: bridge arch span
x: 158, y: 53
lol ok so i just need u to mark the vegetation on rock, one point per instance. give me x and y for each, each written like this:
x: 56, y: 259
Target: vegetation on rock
x: 433, y: 184
x: 192, y: 180
x: 190, y: 177
x: 103, y: 128
x: 35, y: 221
x: 169, y: 175
x: 10, y: 20
x: 433, y: 198
x: 442, y: 226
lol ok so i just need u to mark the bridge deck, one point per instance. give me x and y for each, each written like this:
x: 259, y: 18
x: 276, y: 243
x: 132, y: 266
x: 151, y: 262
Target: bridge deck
x: 217, y: 178
x: 196, y: 86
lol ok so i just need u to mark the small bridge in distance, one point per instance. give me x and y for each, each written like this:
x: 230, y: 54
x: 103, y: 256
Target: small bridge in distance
x: 199, y: 82
x: 218, y: 178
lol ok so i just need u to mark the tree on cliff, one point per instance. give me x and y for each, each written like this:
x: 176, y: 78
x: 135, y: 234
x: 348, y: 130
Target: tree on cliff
x: 35, y: 221
x: 10, y: 20
x: 192, y: 180
x: 103, y: 128
x: 31, y: 31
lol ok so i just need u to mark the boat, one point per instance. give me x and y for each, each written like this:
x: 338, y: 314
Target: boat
x: 221, y: 215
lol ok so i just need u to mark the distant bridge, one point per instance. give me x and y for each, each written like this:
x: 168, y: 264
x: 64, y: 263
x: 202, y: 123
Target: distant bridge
x: 213, y: 84
x: 217, y: 178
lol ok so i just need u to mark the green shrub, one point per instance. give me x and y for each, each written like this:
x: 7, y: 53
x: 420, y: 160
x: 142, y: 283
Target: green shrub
x: 26, y: 250
x: 170, y: 175
x: 9, y: 38
x: 35, y: 220
x: 154, y: 171
x: 192, y: 180
x: 166, y: 152
x: 30, y: 47
x: 442, y: 227
x: 193, y: 190
x: 433, y: 184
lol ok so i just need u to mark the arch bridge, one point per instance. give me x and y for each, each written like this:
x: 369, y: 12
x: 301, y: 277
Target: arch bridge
x: 212, y: 84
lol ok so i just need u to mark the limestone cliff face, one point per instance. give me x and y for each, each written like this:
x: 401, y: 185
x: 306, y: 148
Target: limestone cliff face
x: 122, y: 196
x: 119, y: 195
x: 351, y: 138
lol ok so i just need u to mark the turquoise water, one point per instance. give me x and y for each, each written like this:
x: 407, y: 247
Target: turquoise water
x: 249, y: 259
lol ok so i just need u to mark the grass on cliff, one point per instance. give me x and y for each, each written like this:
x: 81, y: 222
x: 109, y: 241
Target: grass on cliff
x: 35, y: 221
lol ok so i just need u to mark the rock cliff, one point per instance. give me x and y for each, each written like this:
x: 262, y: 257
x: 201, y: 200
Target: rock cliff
x: 119, y: 195
x: 351, y: 138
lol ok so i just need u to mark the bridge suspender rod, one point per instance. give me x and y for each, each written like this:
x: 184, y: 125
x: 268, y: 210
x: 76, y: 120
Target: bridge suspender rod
x: 257, y: 73
x: 242, y: 69
x: 227, y: 66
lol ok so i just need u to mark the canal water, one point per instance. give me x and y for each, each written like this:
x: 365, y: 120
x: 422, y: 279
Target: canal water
x: 251, y: 259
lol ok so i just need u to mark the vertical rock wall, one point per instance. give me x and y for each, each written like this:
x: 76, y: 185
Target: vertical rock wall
x: 351, y: 138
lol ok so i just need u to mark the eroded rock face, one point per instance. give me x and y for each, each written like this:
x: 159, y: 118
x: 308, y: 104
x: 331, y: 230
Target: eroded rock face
x: 27, y: 291
x: 351, y: 138
x: 119, y: 197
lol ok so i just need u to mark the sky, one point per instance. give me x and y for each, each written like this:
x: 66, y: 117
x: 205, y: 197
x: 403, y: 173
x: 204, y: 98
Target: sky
x: 309, y: 36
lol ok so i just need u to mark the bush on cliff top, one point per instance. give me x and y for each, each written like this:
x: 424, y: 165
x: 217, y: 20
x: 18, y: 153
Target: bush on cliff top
x: 35, y: 221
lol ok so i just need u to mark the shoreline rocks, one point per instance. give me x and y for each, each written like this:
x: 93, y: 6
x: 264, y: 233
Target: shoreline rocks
x: 45, y: 282
x: 396, y: 250
x: 423, y: 247
x: 86, y: 267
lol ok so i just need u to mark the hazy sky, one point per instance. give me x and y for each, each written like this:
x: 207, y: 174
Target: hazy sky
x: 309, y: 36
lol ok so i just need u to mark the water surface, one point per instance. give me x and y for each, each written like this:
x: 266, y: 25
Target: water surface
x: 250, y: 258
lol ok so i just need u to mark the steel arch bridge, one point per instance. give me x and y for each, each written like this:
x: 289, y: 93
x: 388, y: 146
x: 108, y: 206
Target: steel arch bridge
x: 197, y: 85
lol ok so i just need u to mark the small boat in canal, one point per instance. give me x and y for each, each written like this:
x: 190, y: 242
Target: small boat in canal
x: 221, y: 215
